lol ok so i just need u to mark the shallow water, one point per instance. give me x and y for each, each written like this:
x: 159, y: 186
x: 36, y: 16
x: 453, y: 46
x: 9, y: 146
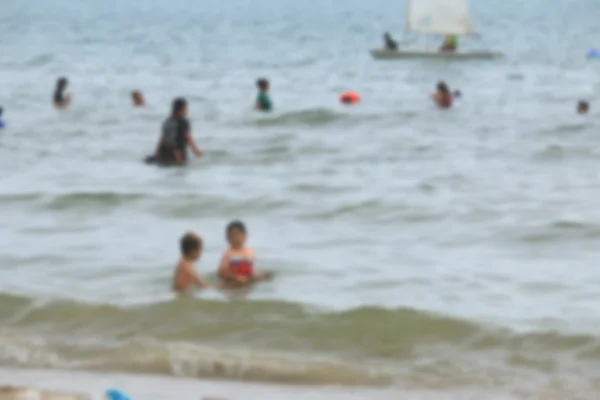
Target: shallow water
x: 412, y: 247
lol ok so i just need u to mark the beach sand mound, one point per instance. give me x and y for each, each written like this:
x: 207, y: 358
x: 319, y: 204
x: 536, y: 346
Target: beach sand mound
x: 24, y: 393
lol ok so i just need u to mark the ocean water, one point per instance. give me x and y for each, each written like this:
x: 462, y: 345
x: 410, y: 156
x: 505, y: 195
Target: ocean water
x: 415, y: 250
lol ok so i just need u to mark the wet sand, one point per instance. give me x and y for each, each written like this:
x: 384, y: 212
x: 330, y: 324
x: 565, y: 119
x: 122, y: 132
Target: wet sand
x: 148, y: 387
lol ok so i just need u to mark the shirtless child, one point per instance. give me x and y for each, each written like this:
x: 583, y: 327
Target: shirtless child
x: 237, y: 264
x: 185, y: 274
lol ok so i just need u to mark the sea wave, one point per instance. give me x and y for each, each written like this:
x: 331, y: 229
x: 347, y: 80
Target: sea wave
x: 272, y: 341
x: 315, y: 117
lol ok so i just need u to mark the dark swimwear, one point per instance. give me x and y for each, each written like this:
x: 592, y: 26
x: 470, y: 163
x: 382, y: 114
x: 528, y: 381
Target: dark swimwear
x: 173, y: 138
x: 59, y: 97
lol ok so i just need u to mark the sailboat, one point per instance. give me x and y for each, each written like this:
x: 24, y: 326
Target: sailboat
x: 437, y: 17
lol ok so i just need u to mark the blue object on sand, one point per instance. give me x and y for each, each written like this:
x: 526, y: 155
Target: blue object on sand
x: 114, y: 394
x: 593, y: 53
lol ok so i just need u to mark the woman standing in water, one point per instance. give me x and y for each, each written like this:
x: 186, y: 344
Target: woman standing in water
x: 60, y: 98
x: 175, y: 137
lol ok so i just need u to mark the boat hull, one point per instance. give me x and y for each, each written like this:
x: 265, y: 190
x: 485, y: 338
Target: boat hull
x: 380, y: 54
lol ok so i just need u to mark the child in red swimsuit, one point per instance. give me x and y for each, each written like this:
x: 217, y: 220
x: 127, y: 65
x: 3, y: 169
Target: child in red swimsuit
x: 237, y: 263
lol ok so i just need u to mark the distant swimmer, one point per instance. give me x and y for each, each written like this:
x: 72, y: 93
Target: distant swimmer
x: 450, y: 44
x: 137, y: 98
x: 263, y: 101
x: 175, y: 137
x: 237, y: 264
x: 2, y: 124
x: 583, y: 107
x: 185, y: 273
x: 61, y: 99
x: 389, y: 43
x: 442, y: 97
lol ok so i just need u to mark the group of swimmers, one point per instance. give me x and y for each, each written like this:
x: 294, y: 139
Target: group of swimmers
x: 176, y: 135
x: 235, y: 269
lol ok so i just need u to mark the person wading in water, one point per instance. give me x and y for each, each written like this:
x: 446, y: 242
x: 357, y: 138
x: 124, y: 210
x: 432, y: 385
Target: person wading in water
x: 175, y: 137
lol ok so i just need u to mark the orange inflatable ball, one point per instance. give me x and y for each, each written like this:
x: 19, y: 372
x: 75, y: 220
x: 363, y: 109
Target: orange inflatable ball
x: 349, y: 98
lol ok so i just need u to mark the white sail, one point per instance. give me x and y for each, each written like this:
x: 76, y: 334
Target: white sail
x: 442, y: 17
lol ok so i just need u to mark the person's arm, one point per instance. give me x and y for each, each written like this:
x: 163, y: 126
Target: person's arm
x: 192, y: 143
x: 260, y: 276
x: 224, y: 271
x: 178, y: 155
x: 195, y: 277
x: 257, y: 103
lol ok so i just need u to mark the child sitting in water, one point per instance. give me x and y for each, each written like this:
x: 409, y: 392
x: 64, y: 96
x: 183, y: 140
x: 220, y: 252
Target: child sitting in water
x: 185, y: 274
x: 263, y: 102
x: 237, y: 263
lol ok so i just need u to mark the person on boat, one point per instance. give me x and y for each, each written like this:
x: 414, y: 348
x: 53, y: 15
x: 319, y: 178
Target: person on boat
x: 185, y: 274
x: 390, y: 43
x: 583, y: 107
x: 237, y: 264
x: 263, y: 101
x: 442, y: 97
x: 450, y: 44
x: 60, y: 99
x: 175, y: 137
x: 138, y: 98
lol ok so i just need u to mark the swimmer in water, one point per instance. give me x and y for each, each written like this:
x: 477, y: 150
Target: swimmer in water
x: 185, y: 273
x: 583, y: 107
x: 237, y: 264
x: 2, y: 124
x: 138, y: 98
x: 390, y: 43
x: 60, y: 99
x: 263, y: 101
x: 442, y: 97
x: 175, y: 137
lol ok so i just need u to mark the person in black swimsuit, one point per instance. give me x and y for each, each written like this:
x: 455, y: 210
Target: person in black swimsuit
x: 175, y: 137
x: 61, y: 100
x: 390, y: 43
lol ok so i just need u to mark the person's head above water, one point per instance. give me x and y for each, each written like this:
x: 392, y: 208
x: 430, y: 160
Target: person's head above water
x: 583, y: 107
x: 138, y: 98
x: 179, y: 107
x: 191, y: 246
x: 236, y: 234
x: 443, y: 88
x: 263, y: 85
